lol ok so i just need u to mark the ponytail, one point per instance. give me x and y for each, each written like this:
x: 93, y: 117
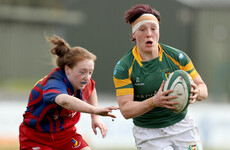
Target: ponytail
x: 67, y: 55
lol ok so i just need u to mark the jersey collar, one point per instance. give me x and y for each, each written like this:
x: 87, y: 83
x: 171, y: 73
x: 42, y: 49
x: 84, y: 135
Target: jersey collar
x: 138, y: 57
x: 161, y: 52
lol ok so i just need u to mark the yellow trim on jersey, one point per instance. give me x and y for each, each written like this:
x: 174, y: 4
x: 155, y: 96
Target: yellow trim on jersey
x: 126, y: 91
x: 121, y: 82
x: 137, y: 55
x: 176, y: 62
x: 40, y: 80
x: 161, y: 52
x: 131, y: 69
x: 189, y: 66
x: 194, y: 74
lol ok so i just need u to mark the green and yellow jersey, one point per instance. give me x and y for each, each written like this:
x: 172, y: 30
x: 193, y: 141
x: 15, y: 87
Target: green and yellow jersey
x: 132, y: 76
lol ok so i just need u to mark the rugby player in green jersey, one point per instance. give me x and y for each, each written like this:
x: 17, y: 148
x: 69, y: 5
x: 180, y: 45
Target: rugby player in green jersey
x: 139, y: 78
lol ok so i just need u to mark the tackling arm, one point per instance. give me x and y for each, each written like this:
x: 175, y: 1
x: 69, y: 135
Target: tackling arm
x: 75, y: 104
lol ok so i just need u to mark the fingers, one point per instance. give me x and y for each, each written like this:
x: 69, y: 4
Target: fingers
x: 94, y: 130
x: 162, y: 86
x: 113, y: 108
x: 107, y: 111
x: 194, y: 93
x: 162, y: 98
x: 110, y: 111
x: 194, y: 85
x: 111, y: 115
x: 97, y: 123
x: 170, y: 107
x: 170, y: 104
x: 193, y: 98
x: 167, y: 92
x: 103, y: 129
x: 192, y: 101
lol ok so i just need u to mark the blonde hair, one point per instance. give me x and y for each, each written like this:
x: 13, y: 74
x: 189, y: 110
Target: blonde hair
x: 67, y: 55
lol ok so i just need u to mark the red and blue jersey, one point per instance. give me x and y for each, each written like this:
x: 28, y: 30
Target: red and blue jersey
x: 43, y: 113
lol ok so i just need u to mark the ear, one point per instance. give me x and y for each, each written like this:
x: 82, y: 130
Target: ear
x: 67, y: 70
x: 133, y: 36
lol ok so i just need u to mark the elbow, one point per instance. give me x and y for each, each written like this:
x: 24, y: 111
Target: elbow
x: 65, y: 104
x: 62, y: 101
x: 206, y: 95
x: 127, y: 115
x: 203, y: 96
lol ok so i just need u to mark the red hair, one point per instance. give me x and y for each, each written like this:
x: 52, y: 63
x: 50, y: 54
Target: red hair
x: 67, y: 55
x: 136, y: 11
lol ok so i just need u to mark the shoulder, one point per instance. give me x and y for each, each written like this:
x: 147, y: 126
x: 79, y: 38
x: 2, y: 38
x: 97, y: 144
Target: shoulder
x: 124, y: 63
x: 171, y: 50
x: 57, y: 77
x: 174, y: 52
x: 56, y: 73
x: 126, y: 60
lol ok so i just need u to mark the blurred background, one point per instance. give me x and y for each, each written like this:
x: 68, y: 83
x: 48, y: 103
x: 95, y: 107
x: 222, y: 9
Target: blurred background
x: 201, y: 28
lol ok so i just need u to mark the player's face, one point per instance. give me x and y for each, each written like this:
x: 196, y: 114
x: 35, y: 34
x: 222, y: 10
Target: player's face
x: 80, y: 74
x: 147, y: 37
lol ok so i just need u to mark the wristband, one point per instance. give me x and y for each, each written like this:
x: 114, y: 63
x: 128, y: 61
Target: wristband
x: 150, y: 102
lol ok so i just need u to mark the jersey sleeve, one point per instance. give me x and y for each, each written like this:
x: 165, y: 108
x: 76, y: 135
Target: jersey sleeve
x: 122, y: 79
x: 88, y: 90
x: 53, y: 88
x: 181, y: 59
x: 186, y: 64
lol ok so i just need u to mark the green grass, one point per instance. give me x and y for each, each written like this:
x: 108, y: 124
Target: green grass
x: 20, y: 85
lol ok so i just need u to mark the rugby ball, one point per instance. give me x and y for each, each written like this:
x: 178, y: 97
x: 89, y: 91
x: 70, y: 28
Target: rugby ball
x: 180, y: 82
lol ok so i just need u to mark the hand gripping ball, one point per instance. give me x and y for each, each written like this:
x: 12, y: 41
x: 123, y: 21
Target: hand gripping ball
x: 180, y: 82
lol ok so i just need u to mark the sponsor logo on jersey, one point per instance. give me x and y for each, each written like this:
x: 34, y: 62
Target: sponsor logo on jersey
x: 181, y: 56
x: 145, y: 96
x: 118, y: 68
x: 165, y: 75
x: 76, y: 143
x: 115, y: 72
x: 137, y: 82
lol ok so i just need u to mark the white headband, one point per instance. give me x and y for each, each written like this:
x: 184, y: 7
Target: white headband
x: 145, y: 18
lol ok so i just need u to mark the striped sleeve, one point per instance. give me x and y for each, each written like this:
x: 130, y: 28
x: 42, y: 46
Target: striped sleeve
x: 122, y: 80
x: 53, y: 88
x: 184, y: 63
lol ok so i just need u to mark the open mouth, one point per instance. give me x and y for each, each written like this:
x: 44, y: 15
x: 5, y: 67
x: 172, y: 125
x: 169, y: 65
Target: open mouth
x: 149, y: 42
x: 83, y: 82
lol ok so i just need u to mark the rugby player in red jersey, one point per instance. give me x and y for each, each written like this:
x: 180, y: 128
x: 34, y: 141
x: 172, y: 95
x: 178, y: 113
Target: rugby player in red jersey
x: 55, y: 102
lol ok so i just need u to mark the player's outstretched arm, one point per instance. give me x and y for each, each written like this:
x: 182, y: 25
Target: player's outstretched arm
x: 75, y: 104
